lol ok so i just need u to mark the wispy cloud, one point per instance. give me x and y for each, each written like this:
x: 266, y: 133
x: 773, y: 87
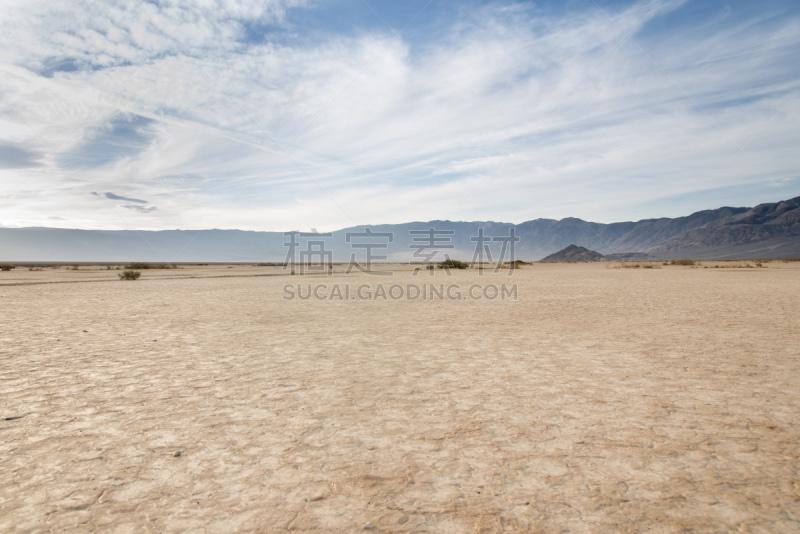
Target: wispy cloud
x: 140, y: 209
x: 230, y: 114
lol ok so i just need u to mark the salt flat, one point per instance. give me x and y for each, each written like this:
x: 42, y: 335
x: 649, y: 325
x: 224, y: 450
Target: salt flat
x: 601, y: 399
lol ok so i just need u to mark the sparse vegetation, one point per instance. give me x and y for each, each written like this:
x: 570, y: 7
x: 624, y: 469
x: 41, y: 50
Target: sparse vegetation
x: 129, y: 275
x: 740, y: 266
x: 682, y: 262
x: 6, y: 267
x: 516, y: 264
x: 450, y: 263
x: 143, y: 265
x: 630, y: 265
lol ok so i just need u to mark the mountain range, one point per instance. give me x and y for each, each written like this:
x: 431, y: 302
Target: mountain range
x: 766, y: 231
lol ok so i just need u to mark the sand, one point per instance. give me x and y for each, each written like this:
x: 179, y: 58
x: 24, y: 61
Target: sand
x: 601, y: 400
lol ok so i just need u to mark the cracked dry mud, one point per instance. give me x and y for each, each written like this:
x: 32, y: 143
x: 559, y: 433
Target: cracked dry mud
x: 602, y: 400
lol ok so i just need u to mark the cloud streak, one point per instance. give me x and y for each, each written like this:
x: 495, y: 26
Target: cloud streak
x: 112, y: 196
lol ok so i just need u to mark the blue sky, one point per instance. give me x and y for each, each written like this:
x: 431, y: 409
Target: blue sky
x: 283, y: 114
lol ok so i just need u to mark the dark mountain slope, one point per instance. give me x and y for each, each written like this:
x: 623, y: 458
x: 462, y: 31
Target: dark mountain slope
x: 773, y: 227
x: 573, y: 253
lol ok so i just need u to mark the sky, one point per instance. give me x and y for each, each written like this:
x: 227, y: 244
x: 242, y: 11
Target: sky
x: 298, y: 114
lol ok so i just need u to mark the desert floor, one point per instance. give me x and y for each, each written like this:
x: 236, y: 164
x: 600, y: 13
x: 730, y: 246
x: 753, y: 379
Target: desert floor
x: 603, y: 399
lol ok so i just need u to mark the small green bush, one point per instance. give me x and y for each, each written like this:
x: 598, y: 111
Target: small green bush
x: 450, y: 263
x: 129, y: 275
x: 6, y: 267
x: 682, y: 262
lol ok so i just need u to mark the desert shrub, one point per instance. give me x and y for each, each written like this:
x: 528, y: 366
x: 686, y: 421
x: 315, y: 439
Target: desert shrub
x: 682, y: 262
x: 450, y: 263
x: 6, y: 267
x: 129, y: 275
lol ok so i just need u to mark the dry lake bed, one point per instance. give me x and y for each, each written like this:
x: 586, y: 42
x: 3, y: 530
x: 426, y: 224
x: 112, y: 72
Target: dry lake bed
x: 601, y: 399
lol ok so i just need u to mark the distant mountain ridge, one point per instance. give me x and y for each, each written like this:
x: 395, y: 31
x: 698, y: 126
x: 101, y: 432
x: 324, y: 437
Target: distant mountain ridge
x: 765, y: 231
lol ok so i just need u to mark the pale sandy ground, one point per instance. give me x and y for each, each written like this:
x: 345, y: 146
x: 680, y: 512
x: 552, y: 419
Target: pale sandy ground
x: 602, y: 400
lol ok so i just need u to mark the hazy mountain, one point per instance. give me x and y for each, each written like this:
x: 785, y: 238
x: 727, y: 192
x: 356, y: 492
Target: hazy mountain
x: 766, y: 231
